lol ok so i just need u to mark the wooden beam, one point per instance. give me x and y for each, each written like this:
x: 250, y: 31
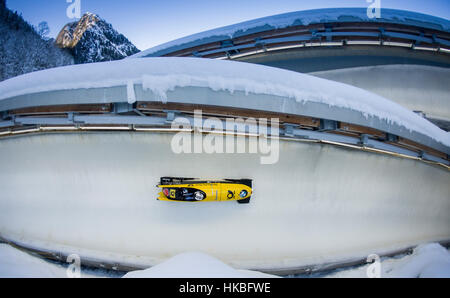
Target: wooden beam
x: 420, y: 147
x: 84, y: 108
x: 352, y: 128
x: 229, y: 112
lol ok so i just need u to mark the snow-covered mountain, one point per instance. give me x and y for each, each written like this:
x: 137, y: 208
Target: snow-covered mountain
x: 92, y: 39
x: 23, y: 50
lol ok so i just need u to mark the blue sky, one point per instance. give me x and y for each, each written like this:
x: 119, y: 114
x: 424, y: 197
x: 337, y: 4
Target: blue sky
x: 150, y: 22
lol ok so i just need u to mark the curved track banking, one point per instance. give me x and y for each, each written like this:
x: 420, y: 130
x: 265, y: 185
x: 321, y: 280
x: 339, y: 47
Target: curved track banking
x: 393, y: 55
x: 416, y: 87
x: 94, y: 194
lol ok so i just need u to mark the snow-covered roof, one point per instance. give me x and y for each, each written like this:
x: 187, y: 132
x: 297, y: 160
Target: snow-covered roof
x: 275, y: 89
x: 307, y: 17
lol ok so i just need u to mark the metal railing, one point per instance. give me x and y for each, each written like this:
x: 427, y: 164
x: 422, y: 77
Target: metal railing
x: 326, y: 35
x: 142, y: 123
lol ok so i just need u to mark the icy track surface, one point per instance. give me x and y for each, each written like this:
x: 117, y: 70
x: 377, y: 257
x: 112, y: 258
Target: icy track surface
x: 94, y: 194
x: 162, y: 75
x: 416, y: 87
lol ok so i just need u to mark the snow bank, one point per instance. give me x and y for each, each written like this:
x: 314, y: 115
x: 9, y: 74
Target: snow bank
x: 427, y: 261
x: 297, y: 18
x: 17, y: 264
x: 195, y: 265
x: 162, y: 75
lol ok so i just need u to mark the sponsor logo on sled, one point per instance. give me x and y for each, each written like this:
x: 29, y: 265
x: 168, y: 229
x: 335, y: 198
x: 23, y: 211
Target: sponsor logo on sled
x: 202, y: 190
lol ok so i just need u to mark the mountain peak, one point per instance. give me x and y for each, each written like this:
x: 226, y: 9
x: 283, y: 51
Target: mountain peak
x: 71, y: 34
x: 92, y: 39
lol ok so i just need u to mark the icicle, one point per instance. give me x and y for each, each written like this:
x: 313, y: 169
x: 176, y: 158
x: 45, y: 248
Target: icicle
x: 130, y: 92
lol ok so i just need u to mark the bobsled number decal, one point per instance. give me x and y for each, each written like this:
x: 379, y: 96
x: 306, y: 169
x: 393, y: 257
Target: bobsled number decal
x: 230, y: 195
x: 172, y: 193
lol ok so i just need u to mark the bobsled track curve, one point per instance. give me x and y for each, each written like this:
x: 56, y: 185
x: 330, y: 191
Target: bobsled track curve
x: 94, y: 194
x: 407, y: 85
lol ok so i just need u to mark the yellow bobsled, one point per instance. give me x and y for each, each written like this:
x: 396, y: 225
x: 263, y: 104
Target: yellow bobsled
x: 201, y: 190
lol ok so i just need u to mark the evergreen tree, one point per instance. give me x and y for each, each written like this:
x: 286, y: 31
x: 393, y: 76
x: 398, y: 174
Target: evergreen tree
x: 43, y: 30
x: 22, y: 49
